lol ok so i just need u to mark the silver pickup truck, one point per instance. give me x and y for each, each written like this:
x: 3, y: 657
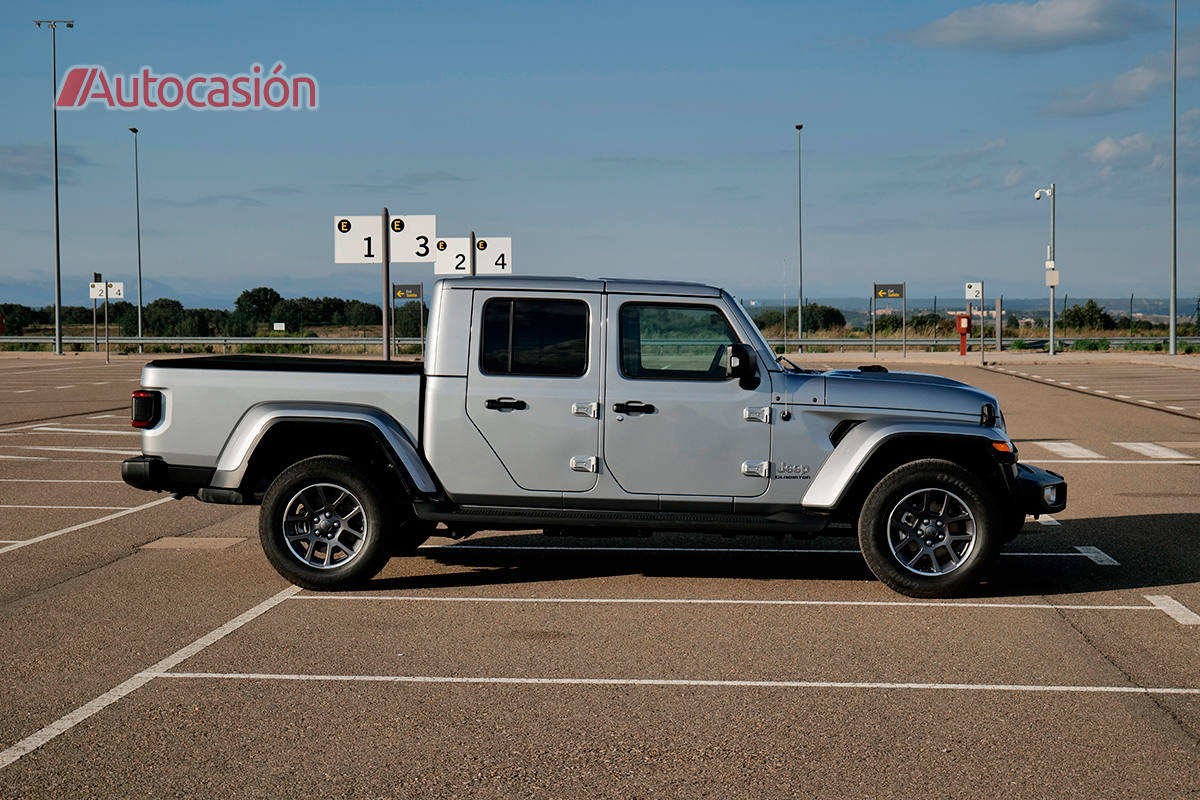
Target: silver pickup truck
x: 586, y: 407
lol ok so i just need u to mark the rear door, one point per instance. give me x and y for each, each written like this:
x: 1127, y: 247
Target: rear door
x: 674, y: 424
x: 533, y: 385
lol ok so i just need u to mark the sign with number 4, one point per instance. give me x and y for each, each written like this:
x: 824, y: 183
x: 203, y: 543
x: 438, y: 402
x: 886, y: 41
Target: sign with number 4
x: 493, y: 255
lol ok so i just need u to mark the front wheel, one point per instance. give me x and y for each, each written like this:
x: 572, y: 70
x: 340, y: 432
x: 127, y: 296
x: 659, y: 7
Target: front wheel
x: 322, y: 524
x: 930, y: 529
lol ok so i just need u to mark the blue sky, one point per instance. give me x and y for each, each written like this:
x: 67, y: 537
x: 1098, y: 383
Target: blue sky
x: 625, y: 140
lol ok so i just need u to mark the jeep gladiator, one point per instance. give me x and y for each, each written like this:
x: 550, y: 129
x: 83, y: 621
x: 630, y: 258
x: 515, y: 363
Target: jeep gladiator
x: 588, y: 407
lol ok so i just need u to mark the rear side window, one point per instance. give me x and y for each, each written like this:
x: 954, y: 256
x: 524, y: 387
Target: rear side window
x: 674, y: 342
x: 546, y: 338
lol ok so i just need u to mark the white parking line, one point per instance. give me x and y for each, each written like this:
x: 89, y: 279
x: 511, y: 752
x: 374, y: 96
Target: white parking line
x: 721, y: 602
x: 57, y: 480
x: 72, y: 449
x: 1046, y: 519
x: 1191, y: 462
x: 689, y: 550
x: 24, y: 458
x: 98, y: 431
x: 1066, y: 449
x: 977, y: 687
x: 68, y: 508
x: 68, y: 721
x: 1151, y: 449
x: 1177, y: 408
x: 82, y: 525
x: 24, y: 391
x: 1174, y: 609
x: 1097, y: 555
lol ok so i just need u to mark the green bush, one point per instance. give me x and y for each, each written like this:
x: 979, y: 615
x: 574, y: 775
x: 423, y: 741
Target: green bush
x: 1017, y: 344
x: 1090, y: 344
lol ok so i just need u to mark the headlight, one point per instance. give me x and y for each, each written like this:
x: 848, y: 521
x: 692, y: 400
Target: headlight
x: 1050, y: 495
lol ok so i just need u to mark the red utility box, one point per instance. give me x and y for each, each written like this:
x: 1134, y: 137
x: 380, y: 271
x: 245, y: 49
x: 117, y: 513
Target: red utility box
x: 964, y: 330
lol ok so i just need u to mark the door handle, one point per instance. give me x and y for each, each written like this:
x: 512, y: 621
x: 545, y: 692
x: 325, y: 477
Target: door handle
x: 633, y: 407
x: 506, y: 404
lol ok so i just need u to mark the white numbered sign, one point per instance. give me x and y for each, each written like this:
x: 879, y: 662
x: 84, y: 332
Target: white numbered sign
x: 356, y: 240
x: 116, y: 291
x: 453, y: 256
x: 975, y: 291
x: 493, y: 255
x: 413, y: 238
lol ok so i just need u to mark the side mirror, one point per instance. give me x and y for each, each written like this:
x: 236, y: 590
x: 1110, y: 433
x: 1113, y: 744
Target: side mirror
x: 741, y: 363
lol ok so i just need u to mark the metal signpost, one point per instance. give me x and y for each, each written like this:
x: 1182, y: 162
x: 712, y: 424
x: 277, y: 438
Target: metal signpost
x: 409, y: 238
x: 891, y: 291
x: 106, y: 290
x: 974, y: 291
x: 411, y: 291
x: 96, y: 278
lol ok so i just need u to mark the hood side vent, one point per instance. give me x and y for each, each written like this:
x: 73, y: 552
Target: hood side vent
x: 841, y: 429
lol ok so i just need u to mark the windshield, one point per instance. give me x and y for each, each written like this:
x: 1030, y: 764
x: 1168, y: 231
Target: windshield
x: 760, y: 341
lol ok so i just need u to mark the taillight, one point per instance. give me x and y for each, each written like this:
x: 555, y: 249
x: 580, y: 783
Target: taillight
x: 145, y: 408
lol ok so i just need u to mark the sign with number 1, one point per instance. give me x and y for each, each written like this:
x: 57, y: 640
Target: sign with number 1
x: 356, y: 240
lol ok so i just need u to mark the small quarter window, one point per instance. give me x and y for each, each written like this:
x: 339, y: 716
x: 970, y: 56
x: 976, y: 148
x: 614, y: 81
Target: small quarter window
x: 674, y: 342
x: 530, y: 337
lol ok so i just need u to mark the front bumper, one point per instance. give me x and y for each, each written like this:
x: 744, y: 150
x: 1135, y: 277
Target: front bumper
x: 1039, y: 491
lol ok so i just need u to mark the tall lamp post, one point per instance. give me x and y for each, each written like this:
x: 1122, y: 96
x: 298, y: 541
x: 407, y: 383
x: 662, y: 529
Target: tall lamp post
x: 53, y: 25
x: 799, y: 245
x: 1174, y: 215
x: 137, y: 205
x: 1038, y: 195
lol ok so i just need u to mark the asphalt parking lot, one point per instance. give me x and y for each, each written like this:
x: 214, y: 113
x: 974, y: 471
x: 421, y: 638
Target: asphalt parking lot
x: 149, y: 649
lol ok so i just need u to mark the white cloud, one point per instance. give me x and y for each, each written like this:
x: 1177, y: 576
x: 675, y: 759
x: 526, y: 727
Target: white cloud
x: 1014, y: 177
x: 1129, y: 88
x: 1111, y: 151
x: 1043, y: 25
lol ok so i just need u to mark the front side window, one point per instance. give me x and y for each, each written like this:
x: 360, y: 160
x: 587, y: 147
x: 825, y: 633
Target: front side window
x: 674, y: 342
x: 531, y: 337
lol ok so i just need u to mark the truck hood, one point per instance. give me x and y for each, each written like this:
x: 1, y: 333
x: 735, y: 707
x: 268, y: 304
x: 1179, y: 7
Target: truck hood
x: 910, y: 391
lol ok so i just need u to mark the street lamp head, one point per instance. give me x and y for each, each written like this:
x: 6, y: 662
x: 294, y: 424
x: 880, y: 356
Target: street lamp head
x: 70, y: 24
x: 133, y: 131
x: 1040, y: 193
x: 799, y: 127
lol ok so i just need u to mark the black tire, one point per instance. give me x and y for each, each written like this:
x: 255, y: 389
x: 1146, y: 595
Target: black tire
x: 324, y: 524
x: 913, y: 534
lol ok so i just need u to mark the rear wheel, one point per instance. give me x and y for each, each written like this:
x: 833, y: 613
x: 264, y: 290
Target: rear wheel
x: 323, y: 524
x: 930, y: 529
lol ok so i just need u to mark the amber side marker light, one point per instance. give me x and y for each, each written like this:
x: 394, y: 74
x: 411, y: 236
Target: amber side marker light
x: 1003, y: 447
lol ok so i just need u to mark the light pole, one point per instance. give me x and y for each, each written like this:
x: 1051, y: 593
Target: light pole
x: 1038, y: 195
x: 1174, y: 93
x: 799, y: 245
x: 53, y: 24
x: 137, y: 204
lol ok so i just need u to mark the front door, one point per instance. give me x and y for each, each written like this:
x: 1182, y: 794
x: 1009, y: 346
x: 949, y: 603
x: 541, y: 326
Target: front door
x: 674, y: 424
x: 533, y: 385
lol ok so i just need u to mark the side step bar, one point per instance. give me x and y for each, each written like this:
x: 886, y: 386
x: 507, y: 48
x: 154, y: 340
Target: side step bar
x: 510, y: 518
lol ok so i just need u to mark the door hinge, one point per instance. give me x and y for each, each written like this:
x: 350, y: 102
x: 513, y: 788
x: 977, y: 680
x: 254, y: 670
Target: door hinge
x: 756, y: 469
x: 762, y: 414
x: 583, y: 464
x: 586, y: 410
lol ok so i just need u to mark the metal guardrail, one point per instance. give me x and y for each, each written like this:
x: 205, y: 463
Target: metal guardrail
x: 375, y: 341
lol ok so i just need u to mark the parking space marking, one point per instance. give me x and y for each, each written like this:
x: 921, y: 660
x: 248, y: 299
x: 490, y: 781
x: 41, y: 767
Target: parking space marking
x: 82, y: 525
x: 727, y: 684
x: 24, y: 458
x: 1066, y: 449
x: 68, y: 721
x: 57, y: 480
x: 72, y: 449
x: 1097, y: 555
x: 723, y: 602
x: 1151, y: 449
x: 107, y: 416
x: 94, y: 431
x: 768, y: 550
x: 1174, y: 609
x: 1190, y: 462
x: 68, y: 508
x: 1046, y: 519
